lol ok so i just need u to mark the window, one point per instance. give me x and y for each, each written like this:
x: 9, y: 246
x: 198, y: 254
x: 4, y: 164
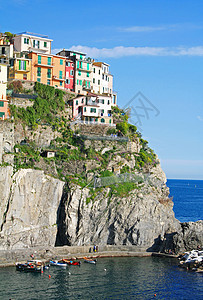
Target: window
x: 33, y: 43
x: 60, y: 74
x: 61, y: 83
x: 67, y: 81
x: 77, y: 82
x: 81, y: 64
x: 78, y: 64
x: 39, y: 72
x: 2, y: 114
x: 102, y: 101
x: 80, y: 82
x: 24, y: 76
x: 85, y: 109
x: 88, y: 75
x: 68, y: 64
x: 98, y: 82
x: 1, y: 103
x: 82, y: 100
x: 79, y: 73
x: 102, y: 111
x: 102, y: 76
x: 38, y: 44
x: 99, y: 72
x: 49, y: 61
x: 45, y: 44
x: 38, y: 79
x: 108, y: 79
x: 76, y: 102
x: 3, y: 50
x: 49, y: 73
x: 26, y: 41
x: 110, y: 121
x: 48, y: 82
x: 22, y: 65
x: 80, y: 56
x: 88, y: 66
x: 93, y: 110
x: 93, y: 80
x: 39, y: 59
x: 94, y: 70
x: 61, y: 62
x: 108, y: 102
x: 102, y: 120
x: 71, y: 72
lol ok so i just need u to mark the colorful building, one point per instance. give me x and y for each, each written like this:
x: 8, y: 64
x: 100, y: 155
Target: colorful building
x: 27, y: 41
x: 92, y: 109
x: 69, y: 75
x: 83, y: 70
x: 47, y: 69
x: 3, y: 82
x: 20, y: 67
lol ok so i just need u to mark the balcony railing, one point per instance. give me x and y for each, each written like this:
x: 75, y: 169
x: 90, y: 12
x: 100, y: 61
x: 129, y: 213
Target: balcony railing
x: 44, y: 65
x: 58, y: 78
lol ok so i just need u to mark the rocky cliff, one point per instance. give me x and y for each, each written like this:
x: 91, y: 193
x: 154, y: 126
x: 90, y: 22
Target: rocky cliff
x: 38, y: 210
x: 28, y: 211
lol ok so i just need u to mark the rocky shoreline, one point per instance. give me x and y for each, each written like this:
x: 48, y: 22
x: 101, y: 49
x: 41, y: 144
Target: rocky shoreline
x: 9, y: 258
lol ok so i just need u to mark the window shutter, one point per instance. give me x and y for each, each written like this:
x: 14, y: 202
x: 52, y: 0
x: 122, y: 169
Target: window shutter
x: 19, y: 64
x: 25, y: 65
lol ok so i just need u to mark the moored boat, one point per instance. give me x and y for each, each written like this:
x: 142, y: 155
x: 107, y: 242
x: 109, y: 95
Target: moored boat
x: 89, y: 260
x: 58, y: 263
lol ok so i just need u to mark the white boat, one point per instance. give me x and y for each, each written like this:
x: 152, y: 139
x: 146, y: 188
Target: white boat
x: 57, y: 263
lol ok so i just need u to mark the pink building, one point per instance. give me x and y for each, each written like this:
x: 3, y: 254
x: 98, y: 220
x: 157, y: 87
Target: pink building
x: 70, y: 75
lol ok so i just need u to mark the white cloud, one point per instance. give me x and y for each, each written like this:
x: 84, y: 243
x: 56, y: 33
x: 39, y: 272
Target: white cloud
x: 121, y: 51
x: 142, y: 28
x: 199, y: 118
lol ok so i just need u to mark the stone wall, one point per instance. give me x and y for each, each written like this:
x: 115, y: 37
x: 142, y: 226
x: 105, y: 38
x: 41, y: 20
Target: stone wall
x: 6, y: 138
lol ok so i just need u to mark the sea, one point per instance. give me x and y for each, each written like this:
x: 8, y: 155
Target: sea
x: 118, y: 278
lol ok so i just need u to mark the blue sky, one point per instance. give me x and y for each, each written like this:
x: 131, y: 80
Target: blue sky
x: 153, y: 47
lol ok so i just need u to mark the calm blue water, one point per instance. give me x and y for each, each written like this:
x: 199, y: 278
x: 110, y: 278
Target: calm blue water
x: 124, y: 278
x: 188, y: 199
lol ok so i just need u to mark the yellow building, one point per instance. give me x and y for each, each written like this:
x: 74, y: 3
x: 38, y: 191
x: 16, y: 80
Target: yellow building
x: 20, y: 67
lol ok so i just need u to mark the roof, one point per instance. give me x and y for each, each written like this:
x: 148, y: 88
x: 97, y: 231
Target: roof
x: 37, y: 35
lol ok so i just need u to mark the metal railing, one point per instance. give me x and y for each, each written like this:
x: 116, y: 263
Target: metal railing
x: 92, y: 123
x: 103, y: 138
x: 114, y: 179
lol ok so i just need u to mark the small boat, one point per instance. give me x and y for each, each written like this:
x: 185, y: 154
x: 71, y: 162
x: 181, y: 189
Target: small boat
x: 74, y: 263
x: 29, y: 267
x: 89, y: 260
x: 57, y: 263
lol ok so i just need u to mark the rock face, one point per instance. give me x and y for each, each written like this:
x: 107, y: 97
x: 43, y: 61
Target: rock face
x: 29, y: 204
x: 143, y: 218
x: 189, y: 237
x: 38, y: 210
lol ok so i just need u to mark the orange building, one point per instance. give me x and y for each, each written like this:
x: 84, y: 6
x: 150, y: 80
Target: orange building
x: 48, y: 69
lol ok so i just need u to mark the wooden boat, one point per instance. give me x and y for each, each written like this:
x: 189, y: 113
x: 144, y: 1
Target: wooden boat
x: 89, y: 260
x: 58, y: 263
x: 74, y: 263
x: 29, y: 267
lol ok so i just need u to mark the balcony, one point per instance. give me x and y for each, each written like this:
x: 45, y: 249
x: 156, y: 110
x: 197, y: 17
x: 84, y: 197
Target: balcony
x: 59, y: 79
x: 44, y: 65
x: 28, y: 69
x: 84, y: 70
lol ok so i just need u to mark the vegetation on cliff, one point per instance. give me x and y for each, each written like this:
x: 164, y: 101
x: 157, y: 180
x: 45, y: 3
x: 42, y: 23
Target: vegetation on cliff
x: 74, y: 161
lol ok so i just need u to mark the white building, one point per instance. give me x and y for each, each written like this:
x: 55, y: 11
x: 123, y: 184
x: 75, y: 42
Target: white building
x: 27, y: 41
x: 92, y: 109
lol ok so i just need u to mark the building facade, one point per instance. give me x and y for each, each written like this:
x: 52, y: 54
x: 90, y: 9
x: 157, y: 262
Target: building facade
x: 92, y: 108
x: 83, y: 70
x: 3, y: 82
x: 20, y: 67
x: 70, y: 75
x: 47, y: 69
x: 25, y: 42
